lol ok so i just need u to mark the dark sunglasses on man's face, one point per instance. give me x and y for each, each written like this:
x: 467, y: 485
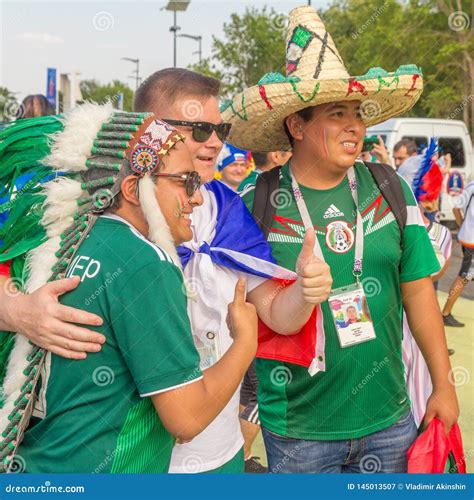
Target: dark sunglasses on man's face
x: 192, y: 180
x: 203, y: 130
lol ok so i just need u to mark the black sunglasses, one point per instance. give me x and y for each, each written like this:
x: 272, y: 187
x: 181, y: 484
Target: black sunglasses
x: 203, y: 130
x: 192, y: 180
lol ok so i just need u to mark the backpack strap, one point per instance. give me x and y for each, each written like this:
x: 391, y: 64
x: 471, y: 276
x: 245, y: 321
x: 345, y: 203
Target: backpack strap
x: 384, y: 175
x: 391, y: 188
x: 263, y: 209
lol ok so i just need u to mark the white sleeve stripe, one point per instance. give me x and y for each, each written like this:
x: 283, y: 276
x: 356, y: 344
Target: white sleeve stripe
x: 414, y: 216
x: 148, y: 394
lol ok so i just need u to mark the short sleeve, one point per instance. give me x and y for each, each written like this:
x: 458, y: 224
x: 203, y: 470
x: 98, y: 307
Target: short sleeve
x: 152, y: 329
x: 248, y: 195
x: 418, y: 257
x: 462, y: 201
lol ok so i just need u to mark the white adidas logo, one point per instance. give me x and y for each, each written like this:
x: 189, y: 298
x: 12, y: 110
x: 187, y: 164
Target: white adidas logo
x: 332, y: 211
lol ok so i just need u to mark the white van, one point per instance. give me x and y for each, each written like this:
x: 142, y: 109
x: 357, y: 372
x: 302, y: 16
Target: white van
x: 453, y: 137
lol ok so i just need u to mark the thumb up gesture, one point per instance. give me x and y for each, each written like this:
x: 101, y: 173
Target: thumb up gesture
x: 314, y: 275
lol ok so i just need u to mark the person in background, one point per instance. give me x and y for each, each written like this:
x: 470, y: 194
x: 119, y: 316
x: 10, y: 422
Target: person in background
x: 263, y: 163
x: 34, y: 106
x: 417, y: 376
x: 249, y: 421
x: 403, y: 150
x: 232, y: 166
x: 463, y: 203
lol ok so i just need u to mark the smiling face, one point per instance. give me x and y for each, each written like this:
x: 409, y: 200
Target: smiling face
x: 351, y: 313
x: 333, y: 135
x: 203, y: 109
x: 234, y: 174
x: 171, y: 195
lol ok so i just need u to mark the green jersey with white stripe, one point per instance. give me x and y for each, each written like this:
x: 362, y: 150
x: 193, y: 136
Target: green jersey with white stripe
x: 95, y: 415
x: 362, y: 390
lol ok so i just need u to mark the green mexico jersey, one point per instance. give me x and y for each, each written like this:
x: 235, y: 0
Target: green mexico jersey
x: 362, y: 390
x: 94, y: 415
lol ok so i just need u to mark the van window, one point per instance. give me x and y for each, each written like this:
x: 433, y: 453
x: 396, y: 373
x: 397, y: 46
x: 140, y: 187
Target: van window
x: 421, y: 142
x: 454, y: 146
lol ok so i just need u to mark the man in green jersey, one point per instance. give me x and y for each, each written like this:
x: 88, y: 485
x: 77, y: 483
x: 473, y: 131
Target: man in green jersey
x: 134, y: 182
x: 353, y: 416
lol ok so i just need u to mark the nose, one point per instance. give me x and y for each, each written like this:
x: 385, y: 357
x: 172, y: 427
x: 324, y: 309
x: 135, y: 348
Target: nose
x: 196, y: 199
x: 356, y: 126
x: 213, y: 141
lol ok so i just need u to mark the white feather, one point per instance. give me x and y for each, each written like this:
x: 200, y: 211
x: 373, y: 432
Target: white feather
x: 158, y: 229
x: 60, y: 205
x: 40, y: 262
x: 72, y: 146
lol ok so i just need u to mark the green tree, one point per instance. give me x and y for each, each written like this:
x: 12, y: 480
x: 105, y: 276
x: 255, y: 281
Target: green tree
x: 93, y: 91
x: 254, y: 44
x: 8, y: 105
x: 434, y: 34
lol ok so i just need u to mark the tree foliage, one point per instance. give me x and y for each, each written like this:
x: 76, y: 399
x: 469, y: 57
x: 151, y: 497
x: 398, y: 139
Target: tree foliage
x: 254, y: 44
x: 8, y: 105
x: 93, y: 91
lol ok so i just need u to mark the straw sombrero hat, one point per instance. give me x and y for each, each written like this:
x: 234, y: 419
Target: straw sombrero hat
x: 315, y: 74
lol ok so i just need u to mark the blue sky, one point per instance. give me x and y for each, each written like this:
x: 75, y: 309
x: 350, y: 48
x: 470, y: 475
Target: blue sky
x: 91, y: 37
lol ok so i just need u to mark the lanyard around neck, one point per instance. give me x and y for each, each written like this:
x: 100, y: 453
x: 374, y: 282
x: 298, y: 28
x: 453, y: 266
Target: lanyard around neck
x: 306, y: 218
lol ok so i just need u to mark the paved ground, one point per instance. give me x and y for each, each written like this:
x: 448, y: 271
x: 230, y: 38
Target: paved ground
x: 462, y: 341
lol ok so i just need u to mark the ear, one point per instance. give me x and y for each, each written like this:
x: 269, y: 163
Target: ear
x: 294, y: 122
x: 129, y: 190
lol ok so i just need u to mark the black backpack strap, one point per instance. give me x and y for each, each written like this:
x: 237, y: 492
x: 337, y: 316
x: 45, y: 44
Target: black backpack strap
x: 263, y: 209
x: 391, y: 188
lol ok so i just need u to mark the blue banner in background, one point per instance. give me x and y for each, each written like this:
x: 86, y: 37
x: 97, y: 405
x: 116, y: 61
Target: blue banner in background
x: 238, y: 486
x: 51, y: 87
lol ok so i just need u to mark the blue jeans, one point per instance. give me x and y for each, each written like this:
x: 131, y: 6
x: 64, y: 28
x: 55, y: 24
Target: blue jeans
x: 383, y: 451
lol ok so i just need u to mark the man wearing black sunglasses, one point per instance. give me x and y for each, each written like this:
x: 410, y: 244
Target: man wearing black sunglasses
x: 190, y: 101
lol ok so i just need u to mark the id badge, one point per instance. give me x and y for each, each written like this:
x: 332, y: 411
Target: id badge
x: 208, y: 349
x: 351, y: 315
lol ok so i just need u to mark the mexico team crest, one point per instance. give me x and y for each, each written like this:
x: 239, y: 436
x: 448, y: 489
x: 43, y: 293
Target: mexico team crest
x: 339, y: 236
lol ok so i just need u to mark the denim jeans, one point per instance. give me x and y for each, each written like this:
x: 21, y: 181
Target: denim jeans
x: 383, y: 451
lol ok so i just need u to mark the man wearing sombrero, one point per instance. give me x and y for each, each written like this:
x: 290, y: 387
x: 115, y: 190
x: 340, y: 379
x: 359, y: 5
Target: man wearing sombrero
x: 354, y: 414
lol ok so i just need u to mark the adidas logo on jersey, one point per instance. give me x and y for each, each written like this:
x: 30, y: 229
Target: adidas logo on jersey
x: 332, y: 211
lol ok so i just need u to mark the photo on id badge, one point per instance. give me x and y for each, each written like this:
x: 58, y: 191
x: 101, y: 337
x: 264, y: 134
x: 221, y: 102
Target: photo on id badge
x: 351, y: 315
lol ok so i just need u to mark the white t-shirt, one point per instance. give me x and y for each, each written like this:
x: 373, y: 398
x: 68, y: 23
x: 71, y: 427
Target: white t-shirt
x: 213, y: 288
x: 465, y: 201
